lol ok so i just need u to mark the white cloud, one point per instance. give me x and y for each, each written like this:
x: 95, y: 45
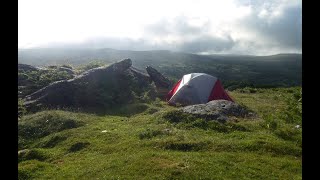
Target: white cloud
x: 216, y: 26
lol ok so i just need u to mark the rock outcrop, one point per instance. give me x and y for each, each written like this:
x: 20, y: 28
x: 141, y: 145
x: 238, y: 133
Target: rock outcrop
x: 159, y: 80
x: 100, y: 87
x: 141, y: 77
x: 219, y: 110
x: 80, y: 91
x: 162, y: 83
x: 23, y: 152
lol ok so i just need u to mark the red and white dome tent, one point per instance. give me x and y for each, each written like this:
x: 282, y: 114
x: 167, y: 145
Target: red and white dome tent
x: 197, y: 88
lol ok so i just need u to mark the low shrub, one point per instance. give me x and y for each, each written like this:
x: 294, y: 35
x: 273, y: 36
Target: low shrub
x: 91, y: 65
x: 270, y: 122
x: 293, y: 112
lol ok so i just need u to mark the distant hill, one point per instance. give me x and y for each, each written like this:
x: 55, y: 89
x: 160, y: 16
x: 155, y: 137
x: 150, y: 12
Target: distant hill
x: 233, y: 70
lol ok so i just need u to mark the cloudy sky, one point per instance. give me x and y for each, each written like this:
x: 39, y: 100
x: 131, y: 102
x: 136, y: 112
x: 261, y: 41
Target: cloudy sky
x: 258, y: 27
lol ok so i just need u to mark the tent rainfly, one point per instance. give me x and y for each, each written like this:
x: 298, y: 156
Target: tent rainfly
x: 197, y: 88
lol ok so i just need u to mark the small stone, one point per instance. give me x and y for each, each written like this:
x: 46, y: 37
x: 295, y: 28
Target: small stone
x: 23, y: 152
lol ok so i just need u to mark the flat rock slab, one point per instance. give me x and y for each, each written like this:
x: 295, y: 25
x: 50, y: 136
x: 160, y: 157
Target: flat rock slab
x: 219, y: 110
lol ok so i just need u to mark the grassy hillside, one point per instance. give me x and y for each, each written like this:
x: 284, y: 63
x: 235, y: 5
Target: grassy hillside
x: 234, y: 70
x: 139, y: 141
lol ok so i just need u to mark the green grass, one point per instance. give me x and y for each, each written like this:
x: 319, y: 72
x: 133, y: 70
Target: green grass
x: 140, y: 141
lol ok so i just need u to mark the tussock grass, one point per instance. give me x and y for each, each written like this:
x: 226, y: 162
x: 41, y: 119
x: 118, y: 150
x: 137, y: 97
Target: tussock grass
x: 184, y: 120
x: 37, y: 154
x: 44, y: 123
x: 41, y: 124
x: 149, y: 134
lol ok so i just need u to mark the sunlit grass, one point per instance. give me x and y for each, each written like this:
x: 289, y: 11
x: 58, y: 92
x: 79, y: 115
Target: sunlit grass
x: 138, y: 142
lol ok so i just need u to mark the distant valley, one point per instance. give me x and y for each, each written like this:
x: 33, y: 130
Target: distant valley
x: 281, y: 70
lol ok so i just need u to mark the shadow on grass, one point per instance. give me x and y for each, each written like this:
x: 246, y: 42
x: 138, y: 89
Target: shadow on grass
x: 78, y: 146
x: 52, y: 141
x: 125, y: 110
x: 184, y: 146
